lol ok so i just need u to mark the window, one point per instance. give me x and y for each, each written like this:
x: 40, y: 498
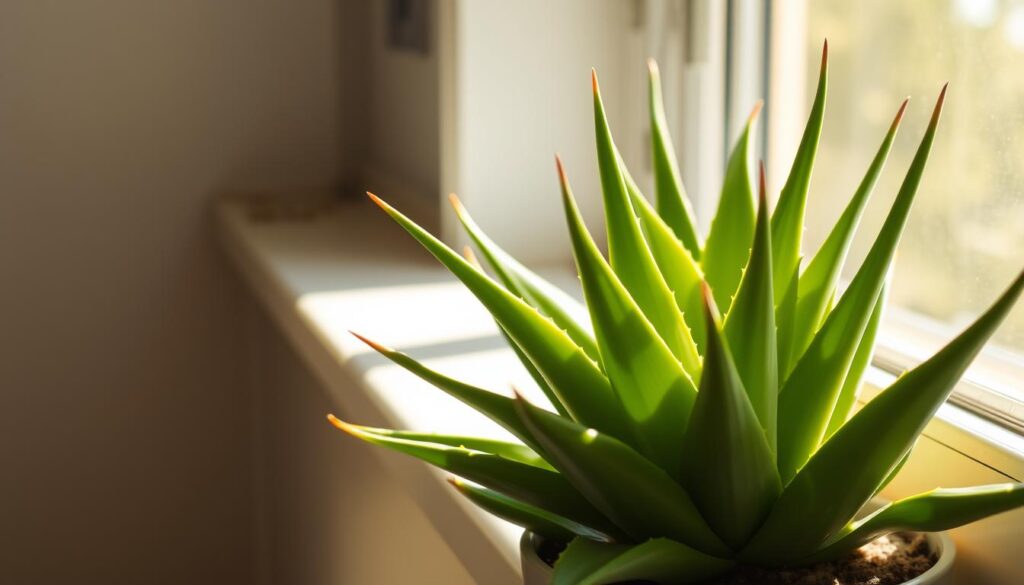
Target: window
x: 965, y: 239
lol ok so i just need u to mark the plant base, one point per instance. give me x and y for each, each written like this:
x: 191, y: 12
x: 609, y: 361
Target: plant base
x: 537, y: 572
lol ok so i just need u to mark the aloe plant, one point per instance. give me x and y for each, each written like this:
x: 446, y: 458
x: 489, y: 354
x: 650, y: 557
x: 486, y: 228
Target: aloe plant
x: 702, y: 401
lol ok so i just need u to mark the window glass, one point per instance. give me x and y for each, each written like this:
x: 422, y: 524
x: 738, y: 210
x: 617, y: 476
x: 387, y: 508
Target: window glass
x: 965, y: 239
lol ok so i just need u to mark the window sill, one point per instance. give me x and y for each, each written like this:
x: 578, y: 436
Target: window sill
x: 350, y: 269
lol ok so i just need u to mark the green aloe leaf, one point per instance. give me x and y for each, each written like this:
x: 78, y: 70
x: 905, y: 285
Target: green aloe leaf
x: 531, y: 369
x: 575, y: 378
x: 500, y: 409
x: 637, y: 495
x: 655, y: 391
x: 810, y: 393
x: 847, y: 469
x: 533, y: 485
x: 850, y: 390
x: 682, y: 273
x: 732, y: 230
x: 788, y: 218
x: 659, y: 560
x: 934, y: 511
x: 785, y: 321
x: 750, y: 326
x: 818, y: 281
x: 729, y: 468
x: 670, y: 196
x: 528, y: 516
x: 581, y: 558
x: 895, y: 471
x: 538, y: 378
x: 513, y: 451
x: 547, y: 298
x: 630, y: 257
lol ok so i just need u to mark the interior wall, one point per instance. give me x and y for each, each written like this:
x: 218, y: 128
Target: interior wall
x: 512, y: 110
x: 124, y: 446
x: 401, y: 160
x: 332, y: 514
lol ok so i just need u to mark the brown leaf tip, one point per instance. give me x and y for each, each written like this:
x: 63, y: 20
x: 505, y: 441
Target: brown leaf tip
x: 824, y: 56
x: 706, y: 294
x: 470, y: 257
x: 376, y: 346
x: 380, y: 202
x: 561, y: 170
x: 900, y: 112
x: 754, y: 113
x: 939, y: 103
x: 456, y: 204
x: 593, y: 80
x: 341, y: 425
x: 762, y: 194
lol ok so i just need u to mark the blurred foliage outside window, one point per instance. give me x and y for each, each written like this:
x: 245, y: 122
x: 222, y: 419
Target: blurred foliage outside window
x: 965, y: 238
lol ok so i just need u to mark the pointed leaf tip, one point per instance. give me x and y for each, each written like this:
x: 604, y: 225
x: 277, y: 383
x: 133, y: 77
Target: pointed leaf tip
x: 710, y: 309
x: 518, y: 396
x: 755, y: 111
x: 762, y: 194
x: 939, y: 103
x: 456, y: 204
x: 899, y: 114
x: 561, y: 169
x: 470, y: 257
x: 593, y: 80
x: 824, y: 56
x: 652, y: 67
x: 371, y: 343
x: 380, y: 202
x: 343, y: 426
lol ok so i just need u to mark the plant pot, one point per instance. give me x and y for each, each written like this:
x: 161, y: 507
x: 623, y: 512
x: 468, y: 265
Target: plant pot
x: 537, y: 572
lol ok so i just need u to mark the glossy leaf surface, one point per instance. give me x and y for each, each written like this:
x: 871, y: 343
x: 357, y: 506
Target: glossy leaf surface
x: 655, y: 391
x: 934, y: 511
x: 636, y: 494
x: 682, y: 273
x: 729, y: 468
x: 732, y: 229
x: 547, y: 298
x: 818, y: 281
x: 670, y: 196
x: 750, y: 327
x: 809, y: 395
x: 788, y: 224
x: 659, y: 560
x: 534, y: 485
x: 576, y: 379
x: 531, y: 517
x: 844, y: 473
x: 628, y: 253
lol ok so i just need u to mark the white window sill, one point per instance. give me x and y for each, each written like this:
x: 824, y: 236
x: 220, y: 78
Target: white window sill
x: 352, y: 269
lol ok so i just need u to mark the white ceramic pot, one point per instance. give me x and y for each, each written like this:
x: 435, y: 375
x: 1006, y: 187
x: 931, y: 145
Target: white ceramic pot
x: 537, y: 572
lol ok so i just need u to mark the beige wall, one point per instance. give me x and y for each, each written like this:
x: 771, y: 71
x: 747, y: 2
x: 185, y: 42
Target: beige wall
x: 516, y: 103
x: 124, y: 416
x: 331, y: 512
x: 403, y: 89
